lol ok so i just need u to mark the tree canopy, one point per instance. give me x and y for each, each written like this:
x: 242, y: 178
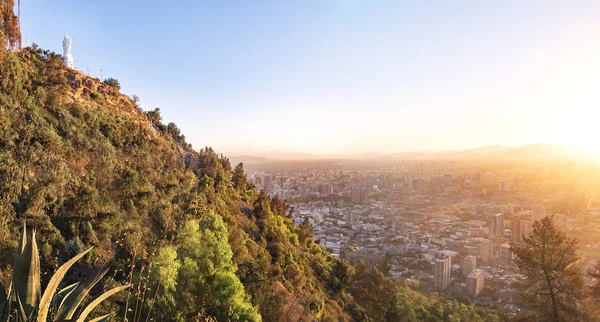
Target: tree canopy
x: 205, y: 274
x: 548, y: 257
x: 113, y: 83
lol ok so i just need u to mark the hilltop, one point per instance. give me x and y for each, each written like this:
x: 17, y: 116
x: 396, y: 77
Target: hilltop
x: 85, y: 166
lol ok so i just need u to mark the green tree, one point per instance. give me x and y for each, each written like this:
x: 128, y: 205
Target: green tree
x: 262, y: 205
x: 136, y: 101
x: 386, y: 264
x: 295, y: 275
x: 278, y: 206
x: 342, y: 274
x: 155, y: 116
x: 373, y: 291
x: 306, y: 230
x: 239, y: 179
x: 75, y: 246
x: 549, y: 260
x: 173, y: 130
x: 206, y: 279
x: 113, y: 82
x: 164, y: 278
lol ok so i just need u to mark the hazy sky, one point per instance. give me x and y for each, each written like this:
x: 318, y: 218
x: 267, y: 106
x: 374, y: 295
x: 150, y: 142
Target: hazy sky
x: 344, y: 76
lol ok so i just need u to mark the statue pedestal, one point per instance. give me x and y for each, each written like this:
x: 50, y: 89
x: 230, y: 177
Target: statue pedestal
x: 68, y: 60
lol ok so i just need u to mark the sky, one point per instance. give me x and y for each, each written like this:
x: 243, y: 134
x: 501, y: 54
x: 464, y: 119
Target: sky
x: 344, y: 76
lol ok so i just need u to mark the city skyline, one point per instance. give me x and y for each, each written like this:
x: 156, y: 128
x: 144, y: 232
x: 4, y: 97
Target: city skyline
x: 343, y: 77
x: 457, y: 227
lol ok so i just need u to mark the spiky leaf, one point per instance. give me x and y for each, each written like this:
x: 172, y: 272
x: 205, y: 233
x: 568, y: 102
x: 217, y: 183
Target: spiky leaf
x: 103, y: 318
x: 3, y: 300
x: 99, y: 300
x: 71, y: 303
x: 22, y: 243
x: 26, y: 276
x: 61, y: 295
x: 20, y: 251
x: 20, y: 309
x: 53, y: 285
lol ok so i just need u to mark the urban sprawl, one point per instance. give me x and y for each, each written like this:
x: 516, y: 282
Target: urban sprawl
x: 444, y: 226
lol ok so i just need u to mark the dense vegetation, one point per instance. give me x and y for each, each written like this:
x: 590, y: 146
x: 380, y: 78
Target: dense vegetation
x: 86, y: 167
x: 10, y: 34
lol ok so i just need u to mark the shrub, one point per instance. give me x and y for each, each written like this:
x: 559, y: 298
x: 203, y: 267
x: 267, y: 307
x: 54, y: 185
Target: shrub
x: 75, y: 247
x: 113, y: 82
x: 96, y: 96
x: 91, y: 256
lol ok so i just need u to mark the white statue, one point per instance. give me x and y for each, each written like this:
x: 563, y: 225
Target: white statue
x: 67, y: 58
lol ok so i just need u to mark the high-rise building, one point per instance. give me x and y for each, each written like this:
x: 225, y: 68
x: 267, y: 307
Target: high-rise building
x: 475, y: 282
x: 324, y: 189
x: 358, y: 194
x: 515, y: 230
x: 442, y: 273
x: 538, y: 212
x: 504, y: 186
x: 519, y: 184
x: 497, y: 225
x: 486, y: 250
x: 268, y: 183
x: 505, y: 254
x: 447, y: 179
x: 520, y: 228
x: 469, y: 264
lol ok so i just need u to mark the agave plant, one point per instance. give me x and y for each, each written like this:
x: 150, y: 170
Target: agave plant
x: 24, y: 301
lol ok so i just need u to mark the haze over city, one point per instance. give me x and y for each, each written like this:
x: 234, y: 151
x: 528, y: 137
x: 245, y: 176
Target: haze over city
x: 299, y: 160
x: 345, y: 77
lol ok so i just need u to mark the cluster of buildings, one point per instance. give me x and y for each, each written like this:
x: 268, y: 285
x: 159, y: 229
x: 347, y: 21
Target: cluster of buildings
x: 447, y: 252
x: 454, y: 231
x: 357, y: 185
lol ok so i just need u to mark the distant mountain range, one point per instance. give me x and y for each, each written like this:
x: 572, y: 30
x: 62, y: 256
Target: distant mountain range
x: 530, y: 151
x: 499, y: 152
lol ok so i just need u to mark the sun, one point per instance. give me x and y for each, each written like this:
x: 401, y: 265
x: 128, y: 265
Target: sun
x: 579, y: 138
x: 589, y: 149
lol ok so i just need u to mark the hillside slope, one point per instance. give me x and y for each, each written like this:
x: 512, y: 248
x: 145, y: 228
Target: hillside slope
x: 80, y: 160
x: 83, y: 164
